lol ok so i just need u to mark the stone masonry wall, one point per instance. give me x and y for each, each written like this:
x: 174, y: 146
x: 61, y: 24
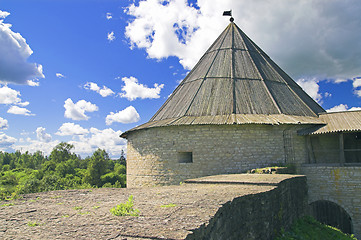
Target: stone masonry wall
x: 153, y: 154
x: 340, y: 185
x: 257, y: 216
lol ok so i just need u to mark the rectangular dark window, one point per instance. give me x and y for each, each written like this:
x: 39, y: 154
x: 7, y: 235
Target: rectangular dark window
x: 185, y: 157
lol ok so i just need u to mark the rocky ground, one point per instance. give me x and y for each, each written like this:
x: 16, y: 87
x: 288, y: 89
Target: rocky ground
x: 170, y: 212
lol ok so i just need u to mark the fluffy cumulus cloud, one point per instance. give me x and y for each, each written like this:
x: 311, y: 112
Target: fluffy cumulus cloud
x: 133, y: 90
x: 128, y: 115
x: 3, y: 124
x: 20, y: 111
x: 310, y: 86
x: 111, y: 36
x: 6, y: 141
x: 32, y: 145
x: 357, y: 86
x: 70, y: 129
x: 342, y: 107
x: 76, y: 111
x: 305, y: 38
x: 59, y: 75
x: 10, y: 96
x: 42, y: 135
x: 104, y: 91
x: 109, y: 16
x: 106, y: 139
x: 14, y: 53
x: 85, y: 141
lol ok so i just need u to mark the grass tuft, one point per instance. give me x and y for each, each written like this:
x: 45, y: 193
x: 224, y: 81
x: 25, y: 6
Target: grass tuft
x: 125, y: 209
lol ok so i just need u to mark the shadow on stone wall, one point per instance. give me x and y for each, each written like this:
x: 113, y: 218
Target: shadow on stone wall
x: 258, y: 216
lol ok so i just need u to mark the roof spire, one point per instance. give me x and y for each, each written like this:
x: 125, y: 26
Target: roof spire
x: 228, y: 13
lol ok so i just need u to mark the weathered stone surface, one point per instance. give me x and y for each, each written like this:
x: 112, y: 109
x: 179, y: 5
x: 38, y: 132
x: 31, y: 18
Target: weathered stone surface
x: 202, y: 211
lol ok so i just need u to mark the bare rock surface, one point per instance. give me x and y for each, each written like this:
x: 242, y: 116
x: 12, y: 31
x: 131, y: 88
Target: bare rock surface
x: 85, y: 213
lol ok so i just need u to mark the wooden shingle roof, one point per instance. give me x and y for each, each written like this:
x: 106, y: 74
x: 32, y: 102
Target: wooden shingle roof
x: 235, y: 81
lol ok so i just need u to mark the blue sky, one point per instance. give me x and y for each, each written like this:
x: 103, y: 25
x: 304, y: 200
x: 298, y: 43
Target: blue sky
x: 84, y: 71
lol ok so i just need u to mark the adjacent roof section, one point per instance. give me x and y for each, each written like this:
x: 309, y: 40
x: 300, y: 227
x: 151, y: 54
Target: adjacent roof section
x: 348, y: 121
x: 235, y: 76
x: 235, y: 82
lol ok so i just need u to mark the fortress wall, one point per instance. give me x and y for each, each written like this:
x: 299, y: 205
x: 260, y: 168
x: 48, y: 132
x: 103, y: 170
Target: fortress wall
x: 257, y: 216
x: 153, y: 154
x: 340, y: 185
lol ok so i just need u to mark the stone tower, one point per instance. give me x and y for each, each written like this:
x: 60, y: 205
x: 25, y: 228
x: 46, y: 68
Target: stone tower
x: 234, y: 111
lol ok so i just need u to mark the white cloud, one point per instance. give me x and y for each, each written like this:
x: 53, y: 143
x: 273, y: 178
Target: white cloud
x: 77, y: 111
x: 338, y: 108
x: 4, y: 14
x: 109, y: 16
x: 3, y: 124
x: 356, y: 82
x: 59, y: 75
x: 104, y: 92
x: 42, y: 135
x: 128, y: 115
x: 106, y: 139
x: 33, y: 83
x: 84, y: 144
x: 311, y: 87
x: 11, y: 96
x: 111, y: 36
x: 70, y: 129
x: 20, y: 111
x: 32, y: 146
x: 342, y: 107
x: 14, y: 52
x: 6, y: 141
x: 358, y: 92
x: 133, y: 90
x: 304, y: 37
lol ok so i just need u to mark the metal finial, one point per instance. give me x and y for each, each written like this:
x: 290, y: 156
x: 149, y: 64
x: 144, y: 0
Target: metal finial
x: 231, y: 19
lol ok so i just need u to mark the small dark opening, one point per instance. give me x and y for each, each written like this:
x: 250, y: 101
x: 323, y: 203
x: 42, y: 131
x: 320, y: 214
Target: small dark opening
x: 185, y: 157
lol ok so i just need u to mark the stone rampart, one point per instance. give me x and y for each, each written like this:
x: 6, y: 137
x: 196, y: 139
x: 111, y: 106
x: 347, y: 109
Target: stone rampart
x: 257, y: 216
x: 340, y: 185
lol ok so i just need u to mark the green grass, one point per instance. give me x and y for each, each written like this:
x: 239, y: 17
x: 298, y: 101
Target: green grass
x: 83, y: 213
x: 33, y: 224
x: 308, y: 228
x: 78, y: 208
x: 6, y: 204
x: 125, y: 209
x: 168, y: 205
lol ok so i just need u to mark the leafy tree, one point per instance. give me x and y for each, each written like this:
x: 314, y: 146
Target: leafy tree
x: 122, y: 158
x: 96, y: 168
x: 26, y: 172
x: 61, y: 152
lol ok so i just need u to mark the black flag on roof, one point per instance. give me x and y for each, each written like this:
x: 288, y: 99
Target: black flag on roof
x: 227, y: 13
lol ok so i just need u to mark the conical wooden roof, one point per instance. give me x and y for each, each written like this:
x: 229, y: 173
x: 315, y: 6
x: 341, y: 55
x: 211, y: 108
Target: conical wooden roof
x: 235, y: 82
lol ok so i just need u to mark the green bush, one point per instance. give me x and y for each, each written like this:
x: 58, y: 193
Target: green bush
x: 22, y: 173
x: 125, y: 209
x: 308, y: 228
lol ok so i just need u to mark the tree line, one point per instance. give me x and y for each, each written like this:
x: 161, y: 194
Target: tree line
x: 22, y: 173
